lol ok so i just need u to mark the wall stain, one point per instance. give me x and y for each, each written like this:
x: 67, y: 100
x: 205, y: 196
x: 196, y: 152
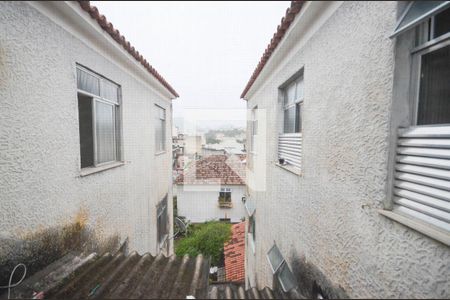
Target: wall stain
x: 312, y: 282
x: 41, y: 247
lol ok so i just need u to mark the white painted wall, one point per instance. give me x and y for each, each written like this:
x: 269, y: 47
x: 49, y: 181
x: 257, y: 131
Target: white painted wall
x: 199, y: 203
x: 40, y: 178
x: 328, y: 216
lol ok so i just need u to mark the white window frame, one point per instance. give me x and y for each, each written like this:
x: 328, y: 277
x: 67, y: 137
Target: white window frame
x: 253, y: 136
x: 297, y: 101
x: 429, y: 46
x: 117, y: 117
x: 290, y: 143
x: 161, y: 208
x: 160, y: 146
x: 225, y: 190
x: 425, y: 42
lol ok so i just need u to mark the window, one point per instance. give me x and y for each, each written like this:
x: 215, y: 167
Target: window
x: 432, y: 64
x: 162, y: 221
x: 420, y: 181
x: 292, y: 106
x: 160, y: 129
x: 290, y: 138
x: 251, y: 231
x: 253, y: 129
x: 225, y: 198
x: 417, y: 12
x: 98, y: 112
x: 434, y: 90
x: 281, y: 269
x: 225, y: 195
x: 251, y: 227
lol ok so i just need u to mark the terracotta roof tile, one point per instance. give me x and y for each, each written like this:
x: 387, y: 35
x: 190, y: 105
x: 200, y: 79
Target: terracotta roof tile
x: 215, y: 169
x: 120, y: 39
x: 286, y: 21
x: 234, y: 252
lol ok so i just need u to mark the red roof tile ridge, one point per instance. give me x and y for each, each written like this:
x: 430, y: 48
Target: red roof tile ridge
x: 234, y: 252
x: 286, y: 21
x: 120, y: 39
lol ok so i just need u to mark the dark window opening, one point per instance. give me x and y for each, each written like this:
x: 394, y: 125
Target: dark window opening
x: 442, y: 23
x: 162, y: 221
x: 86, y: 132
x: 434, y: 94
x: 251, y: 227
x: 225, y: 195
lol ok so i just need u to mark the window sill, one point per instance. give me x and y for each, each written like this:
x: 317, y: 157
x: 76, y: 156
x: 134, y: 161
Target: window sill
x: 417, y: 225
x: 160, y: 153
x: 225, y: 204
x: 290, y: 168
x: 93, y: 170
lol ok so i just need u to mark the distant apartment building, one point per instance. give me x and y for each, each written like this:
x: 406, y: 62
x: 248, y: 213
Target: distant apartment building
x: 212, y: 188
x: 192, y: 145
x: 84, y: 134
x: 349, y: 152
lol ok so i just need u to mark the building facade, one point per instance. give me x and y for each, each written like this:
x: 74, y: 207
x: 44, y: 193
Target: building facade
x: 347, y: 174
x: 212, y: 188
x: 85, y: 133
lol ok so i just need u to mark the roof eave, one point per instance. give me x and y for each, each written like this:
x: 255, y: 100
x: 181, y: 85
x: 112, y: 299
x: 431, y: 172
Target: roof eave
x: 278, y: 36
x: 120, y: 39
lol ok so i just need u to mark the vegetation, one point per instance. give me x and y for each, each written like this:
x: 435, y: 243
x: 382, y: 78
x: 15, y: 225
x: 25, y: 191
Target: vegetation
x: 207, y: 239
x: 210, y: 138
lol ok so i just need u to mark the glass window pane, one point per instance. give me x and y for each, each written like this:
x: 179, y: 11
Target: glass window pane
x: 418, y: 12
x: 163, y: 135
x: 86, y: 133
x: 289, y: 120
x: 110, y: 91
x: 275, y: 258
x: 298, y: 117
x: 434, y: 95
x: 105, y: 132
x: 442, y: 23
x: 299, y: 90
x: 158, y: 134
x: 290, y: 94
x: 88, y: 82
x: 160, y: 128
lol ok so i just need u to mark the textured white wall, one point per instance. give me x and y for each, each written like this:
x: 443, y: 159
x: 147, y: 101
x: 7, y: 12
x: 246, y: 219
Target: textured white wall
x: 39, y: 139
x: 200, y: 203
x: 328, y: 215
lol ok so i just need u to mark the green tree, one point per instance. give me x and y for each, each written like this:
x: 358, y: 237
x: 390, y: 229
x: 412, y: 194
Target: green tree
x: 206, y: 239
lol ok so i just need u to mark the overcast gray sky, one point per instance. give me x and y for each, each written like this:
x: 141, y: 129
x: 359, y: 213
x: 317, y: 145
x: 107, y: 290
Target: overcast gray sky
x: 205, y: 50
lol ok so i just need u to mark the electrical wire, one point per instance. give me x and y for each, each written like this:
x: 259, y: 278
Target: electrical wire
x: 9, y: 286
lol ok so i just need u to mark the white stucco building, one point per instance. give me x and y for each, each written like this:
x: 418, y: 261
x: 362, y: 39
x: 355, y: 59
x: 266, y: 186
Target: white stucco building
x: 85, y: 130
x: 348, y: 145
x: 212, y: 188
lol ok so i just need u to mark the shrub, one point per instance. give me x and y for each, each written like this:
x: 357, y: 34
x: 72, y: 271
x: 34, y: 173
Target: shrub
x: 206, y: 239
